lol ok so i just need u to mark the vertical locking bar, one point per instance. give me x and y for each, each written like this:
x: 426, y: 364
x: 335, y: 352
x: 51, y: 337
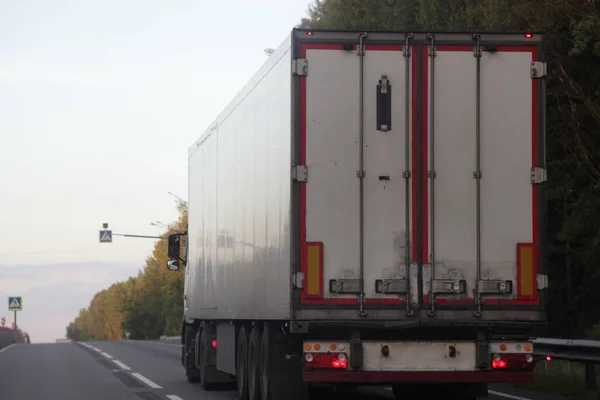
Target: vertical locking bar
x: 477, y: 53
x: 407, y: 174
x: 361, y: 174
x: 431, y: 173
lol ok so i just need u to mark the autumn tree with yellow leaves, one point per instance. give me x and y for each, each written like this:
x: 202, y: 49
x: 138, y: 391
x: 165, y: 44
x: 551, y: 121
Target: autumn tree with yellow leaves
x: 148, y: 305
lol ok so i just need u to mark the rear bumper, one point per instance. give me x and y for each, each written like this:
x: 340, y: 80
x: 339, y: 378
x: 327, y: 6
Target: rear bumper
x: 417, y: 376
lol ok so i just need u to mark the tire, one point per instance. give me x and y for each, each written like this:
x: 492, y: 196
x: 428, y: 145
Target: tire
x: 241, y: 364
x: 254, y: 364
x: 193, y: 375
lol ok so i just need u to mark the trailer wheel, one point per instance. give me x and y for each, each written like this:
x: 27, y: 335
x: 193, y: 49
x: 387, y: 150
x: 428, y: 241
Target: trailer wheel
x: 193, y: 375
x: 280, y: 375
x: 241, y: 366
x: 254, y: 361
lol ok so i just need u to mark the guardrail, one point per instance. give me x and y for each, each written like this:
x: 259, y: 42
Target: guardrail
x: 586, y: 352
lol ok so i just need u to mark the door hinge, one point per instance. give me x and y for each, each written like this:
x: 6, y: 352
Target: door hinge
x: 298, y: 280
x: 300, y: 173
x: 538, y: 175
x: 360, y: 50
x: 542, y: 281
x: 539, y: 69
x: 300, y: 67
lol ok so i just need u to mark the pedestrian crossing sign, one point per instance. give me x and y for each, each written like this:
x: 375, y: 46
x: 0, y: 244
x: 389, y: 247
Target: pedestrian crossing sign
x: 105, y: 236
x: 15, y: 303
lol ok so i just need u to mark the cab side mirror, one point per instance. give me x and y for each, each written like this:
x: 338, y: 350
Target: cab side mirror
x: 173, y: 265
x: 174, y: 247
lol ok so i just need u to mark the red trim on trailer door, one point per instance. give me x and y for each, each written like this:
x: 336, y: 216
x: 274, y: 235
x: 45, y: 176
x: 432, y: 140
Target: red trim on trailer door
x: 531, y: 301
x: 302, y: 160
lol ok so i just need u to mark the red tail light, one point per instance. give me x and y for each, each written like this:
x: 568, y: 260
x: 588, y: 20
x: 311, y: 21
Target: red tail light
x: 213, y: 344
x: 512, y: 362
x: 326, y: 360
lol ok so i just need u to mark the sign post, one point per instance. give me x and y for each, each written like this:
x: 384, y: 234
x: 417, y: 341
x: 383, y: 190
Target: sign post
x: 15, y: 303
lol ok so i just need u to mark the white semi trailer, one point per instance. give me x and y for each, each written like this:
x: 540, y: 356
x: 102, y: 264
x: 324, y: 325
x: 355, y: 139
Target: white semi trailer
x: 370, y: 210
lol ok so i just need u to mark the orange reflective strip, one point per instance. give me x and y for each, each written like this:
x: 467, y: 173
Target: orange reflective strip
x: 525, y: 274
x: 314, y: 269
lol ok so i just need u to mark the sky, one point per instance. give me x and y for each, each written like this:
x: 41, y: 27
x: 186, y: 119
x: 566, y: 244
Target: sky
x: 99, y: 103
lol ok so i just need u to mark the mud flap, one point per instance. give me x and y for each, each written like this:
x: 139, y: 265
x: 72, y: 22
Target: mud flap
x: 281, y: 367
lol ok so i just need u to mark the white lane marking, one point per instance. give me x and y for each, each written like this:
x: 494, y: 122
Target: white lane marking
x: 86, y: 345
x: 106, y: 355
x: 120, y: 364
x: 146, y: 380
x: 6, y: 348
x: 506, y: 395
x: 173, y: 397
x: 98, y: 350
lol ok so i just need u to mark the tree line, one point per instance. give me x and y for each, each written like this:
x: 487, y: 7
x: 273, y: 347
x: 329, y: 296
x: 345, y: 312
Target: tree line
x: 147, y: 306
x: 151, y: 304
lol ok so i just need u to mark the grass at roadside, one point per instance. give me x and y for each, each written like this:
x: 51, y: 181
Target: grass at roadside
x: 561, y: 378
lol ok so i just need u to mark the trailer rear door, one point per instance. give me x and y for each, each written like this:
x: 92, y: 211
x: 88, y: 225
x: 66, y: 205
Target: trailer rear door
x: 415, y: 151
x: 482, y: 150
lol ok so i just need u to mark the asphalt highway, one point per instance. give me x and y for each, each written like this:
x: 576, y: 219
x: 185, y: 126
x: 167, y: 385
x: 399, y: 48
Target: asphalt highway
x: 134, y: 370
